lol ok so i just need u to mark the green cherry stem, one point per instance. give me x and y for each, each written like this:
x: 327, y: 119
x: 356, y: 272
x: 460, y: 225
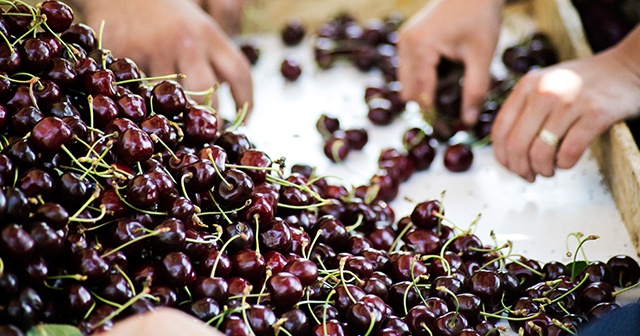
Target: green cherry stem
x: 223, y: 248
x: 149, y: 212
x: 579, y: 248
x: 137, y: 239
x: 240, y: 117
x: 157, y: 78
x: 398, y: 239
x: 224, y: 215
x: 143, y: 293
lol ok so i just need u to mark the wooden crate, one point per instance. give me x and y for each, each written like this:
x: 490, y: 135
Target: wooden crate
x: 616, y: 151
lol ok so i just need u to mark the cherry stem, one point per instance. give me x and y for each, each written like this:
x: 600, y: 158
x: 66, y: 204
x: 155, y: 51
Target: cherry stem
x: 614, y: 293
x: 246, y: 292
x: 145, y: 292
x: 579, y: 285
x: 372, y: 316
x: 246, y: 204
x: 358, y: 222
x: 444, y: 261
x: 414, y: 280
x: 83, y: 229
x: 137, y: 239
x: 77, y: 277
x: 398, y: 239
x: 220, y: 317
x: 424, y: 326
x: 224, y: 215
x: 309, y: 305
x: 372, y: 193
x: 215, y: 167
x: 495, y: 249
x: 341, y: 268
x: 105, y: 301
x: 157, y: 78
x: 240, y: 117
x: 326, y: 305
x: 256, y: 219
x: 100, y: 33
x: 579, y: 248
x: 264, y: 286
x: 72, y: 51
x: 6, y: 40
x: 563, y: 327
x: 156, y: 138
x: 286, y: 183
x: 313, y: 243
x: 509, y: 318
x: 251, y: 167
x: 1, y: 267
x: 90, y: 200
x: 34, y: 101
x: 126, y: 277
x: 222, y: 249
x: 304, y: 207
x: 149, y: 212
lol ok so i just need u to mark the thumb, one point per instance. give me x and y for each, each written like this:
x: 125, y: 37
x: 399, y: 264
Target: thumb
x: 475, y: 85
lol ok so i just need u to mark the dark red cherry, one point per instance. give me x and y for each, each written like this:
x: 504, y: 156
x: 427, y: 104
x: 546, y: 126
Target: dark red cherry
x: 458, y: 158
x: 200, y: 125
x: 290, y: 69
x: 134, y: 145
x: 25, y: 119
x: 258, y: 159
x: 337, y: 148
x: 327, y: 125
x: 178, y: 268
x: 132, y: 106
x: 16, y: 242
x: 101, y: 81
x: 248, y: 264
x: 237, y: 189
x: 50, y: 133
x: 426, y: 214
x: 625, y: 269
x: 293, y: 32
x: 168, y: 98
x: 357, y: 138
x: 81, y: 34
x: 35, y: 54
x: 286, y: 290
x: 234, y: 144
x: 250, y: 51
x: 59, y: 16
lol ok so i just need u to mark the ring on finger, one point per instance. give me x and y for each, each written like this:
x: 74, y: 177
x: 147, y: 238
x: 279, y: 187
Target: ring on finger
x: 549, y: 137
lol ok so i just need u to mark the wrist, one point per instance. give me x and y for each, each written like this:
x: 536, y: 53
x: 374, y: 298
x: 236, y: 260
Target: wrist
x: 628, y: 49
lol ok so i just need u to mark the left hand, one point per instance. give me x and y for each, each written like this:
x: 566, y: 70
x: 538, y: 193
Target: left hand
x: 576, y: 101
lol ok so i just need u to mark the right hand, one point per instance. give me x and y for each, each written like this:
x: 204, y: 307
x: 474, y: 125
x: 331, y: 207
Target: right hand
x: 460, y: 30
x: 173, y: 36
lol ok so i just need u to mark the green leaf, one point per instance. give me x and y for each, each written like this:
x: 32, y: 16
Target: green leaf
x: 576, y: 267
x: 54, y: 330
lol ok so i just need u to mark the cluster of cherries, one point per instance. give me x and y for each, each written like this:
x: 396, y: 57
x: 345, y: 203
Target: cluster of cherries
x: 119, y: 194
x: 338, y: 142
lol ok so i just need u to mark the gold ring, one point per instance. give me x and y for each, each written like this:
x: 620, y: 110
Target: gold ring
x: 549, y: 137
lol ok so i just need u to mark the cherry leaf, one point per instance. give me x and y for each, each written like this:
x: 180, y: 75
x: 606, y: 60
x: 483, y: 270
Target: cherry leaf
x: 576, y: 267
x: 54, y: 330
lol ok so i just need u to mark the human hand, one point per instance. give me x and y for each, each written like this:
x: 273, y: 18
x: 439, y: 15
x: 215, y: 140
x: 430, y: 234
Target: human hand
x: 161, y: 322
x: 575, y: 101
x: 460, y: 30
x: 172, y: 36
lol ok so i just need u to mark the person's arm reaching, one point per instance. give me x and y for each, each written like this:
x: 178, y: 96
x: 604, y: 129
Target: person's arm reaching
x: 172, y: 36
x: 553, y: 114
x: 460, y: 30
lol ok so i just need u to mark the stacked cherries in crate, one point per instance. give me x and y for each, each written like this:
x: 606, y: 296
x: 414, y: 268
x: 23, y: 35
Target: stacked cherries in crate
x: 119, y: 194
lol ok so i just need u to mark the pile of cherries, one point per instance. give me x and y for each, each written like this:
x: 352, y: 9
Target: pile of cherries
x: 119, y: 194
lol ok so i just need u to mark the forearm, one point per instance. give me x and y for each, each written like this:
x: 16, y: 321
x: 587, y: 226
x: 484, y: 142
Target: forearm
x: 628, y: 50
